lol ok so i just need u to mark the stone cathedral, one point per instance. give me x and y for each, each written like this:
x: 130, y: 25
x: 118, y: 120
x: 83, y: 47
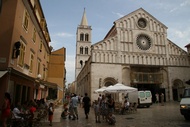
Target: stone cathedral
x: 135, y: 52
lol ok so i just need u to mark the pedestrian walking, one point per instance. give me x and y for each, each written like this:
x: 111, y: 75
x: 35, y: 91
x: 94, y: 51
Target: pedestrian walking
x: 70, y: 108
x: 110, y: 103
x: 97, y: 111
x: 6, y: 109
x: 99, y: 98
x: 103, y: 108
x: 157, y: 98
x: 162, y: 99
x: 74, y: 102
x: 86, y: 105
x: 81, y: 99
x: 50, y: 113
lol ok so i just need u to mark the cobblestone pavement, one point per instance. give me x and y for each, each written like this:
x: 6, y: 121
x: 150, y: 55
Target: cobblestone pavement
x: 155, y: 116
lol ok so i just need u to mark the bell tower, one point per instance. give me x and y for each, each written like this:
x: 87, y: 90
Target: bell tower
x: 83, y: 44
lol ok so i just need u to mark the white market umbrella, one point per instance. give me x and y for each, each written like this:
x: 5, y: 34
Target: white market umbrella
x: 100, y: 90
x: 119, y: 88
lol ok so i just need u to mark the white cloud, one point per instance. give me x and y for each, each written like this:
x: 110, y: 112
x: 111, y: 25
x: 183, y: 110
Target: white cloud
x: 181, y: 34
x: 64, y: 34
x: 181, y: 5
x: 185, y: 3
x: 180, y: 37
x: 70, y: 68
x: 174, y: 9
x: 118, y: 14
x: 70, y: 63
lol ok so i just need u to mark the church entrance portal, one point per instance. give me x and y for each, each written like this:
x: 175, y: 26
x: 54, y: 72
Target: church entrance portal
x: 177, y: 89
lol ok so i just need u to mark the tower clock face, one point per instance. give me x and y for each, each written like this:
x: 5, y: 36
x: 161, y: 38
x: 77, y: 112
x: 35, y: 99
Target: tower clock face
x: 142, y: 23
x: 143, y: 42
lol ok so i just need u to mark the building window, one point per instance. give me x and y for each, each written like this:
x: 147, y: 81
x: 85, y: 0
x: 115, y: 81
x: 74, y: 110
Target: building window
x: 43, y: 23
x: 44, y: 70
x: 44, y: 55
x: 47, y: 36
x: 81, y: 50
x: 81, y: 63
x: 34, y: 35
x: 86, y: 37
x: 38, y: 71
x: 82, y: 37
x: 31, y: 61
x: 86, y: 50
x: 26, y: 20
x: 22, y: 54
x: 40, y: 46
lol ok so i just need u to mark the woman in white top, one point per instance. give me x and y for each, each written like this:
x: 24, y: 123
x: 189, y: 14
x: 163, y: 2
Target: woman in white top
x: 16, y: 111
x: 125, y: 106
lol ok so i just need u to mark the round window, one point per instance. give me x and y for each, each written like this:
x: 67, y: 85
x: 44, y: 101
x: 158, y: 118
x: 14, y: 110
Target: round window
x: 143, y: 42
x: 142, y: 23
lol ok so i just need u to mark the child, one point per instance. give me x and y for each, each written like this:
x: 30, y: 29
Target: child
x: 97, y: 111
x: 65, y: 113
x: 111, y: 119
x: 51, y: 110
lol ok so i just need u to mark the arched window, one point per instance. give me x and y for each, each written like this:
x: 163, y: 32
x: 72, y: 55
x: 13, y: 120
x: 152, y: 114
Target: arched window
x: 81, y: 63
x: 86, y: 50
x: 81, y: 37
x: 86, y: 37
x: 81, y: 50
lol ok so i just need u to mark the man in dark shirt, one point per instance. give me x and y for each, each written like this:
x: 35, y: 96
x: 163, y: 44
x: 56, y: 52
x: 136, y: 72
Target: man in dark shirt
x: 86, y: 105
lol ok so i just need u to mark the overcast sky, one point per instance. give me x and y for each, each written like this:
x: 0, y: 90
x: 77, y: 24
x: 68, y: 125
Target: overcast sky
x: 63, y: 17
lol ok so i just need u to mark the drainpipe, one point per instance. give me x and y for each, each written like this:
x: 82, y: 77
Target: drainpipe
x: 0, y: 5
x: 9, y: 77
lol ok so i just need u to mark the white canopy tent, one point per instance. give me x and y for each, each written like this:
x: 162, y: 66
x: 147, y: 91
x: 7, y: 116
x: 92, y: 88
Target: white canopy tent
x: 101, y: 90
x: 119, y: 88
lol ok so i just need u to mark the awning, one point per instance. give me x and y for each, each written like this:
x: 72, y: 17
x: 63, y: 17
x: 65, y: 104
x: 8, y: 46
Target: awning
x: 2, y: 73
x: 49, y: 84
x: 59, y: 88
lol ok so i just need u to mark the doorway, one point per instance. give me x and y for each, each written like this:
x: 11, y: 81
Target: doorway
x: 177, y: 89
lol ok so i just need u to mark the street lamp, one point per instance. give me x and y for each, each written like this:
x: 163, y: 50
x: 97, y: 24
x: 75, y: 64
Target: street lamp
x: 39, y: 76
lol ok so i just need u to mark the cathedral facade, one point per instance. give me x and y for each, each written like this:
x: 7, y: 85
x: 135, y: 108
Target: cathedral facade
x: 135, y: 52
